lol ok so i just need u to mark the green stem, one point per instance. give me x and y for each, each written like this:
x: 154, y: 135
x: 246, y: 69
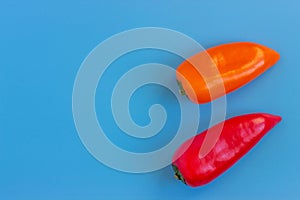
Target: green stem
x: 181, y: 90
x: 178, y: 175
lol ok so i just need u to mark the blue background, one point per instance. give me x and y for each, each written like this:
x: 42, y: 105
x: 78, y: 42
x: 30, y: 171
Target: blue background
x: 42, y: 45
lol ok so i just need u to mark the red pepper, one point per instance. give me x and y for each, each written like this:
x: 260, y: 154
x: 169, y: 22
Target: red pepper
x: 238, y: 136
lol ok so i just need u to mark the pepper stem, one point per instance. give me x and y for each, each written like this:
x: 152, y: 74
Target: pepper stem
x: 181, y: 90
x: 177, y: 174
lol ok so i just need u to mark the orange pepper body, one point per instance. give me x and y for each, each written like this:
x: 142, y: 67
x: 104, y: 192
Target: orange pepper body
x: 232, y: 65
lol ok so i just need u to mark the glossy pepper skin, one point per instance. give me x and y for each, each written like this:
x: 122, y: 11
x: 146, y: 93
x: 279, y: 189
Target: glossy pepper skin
x: 238, y: 136
x: 238, y: 63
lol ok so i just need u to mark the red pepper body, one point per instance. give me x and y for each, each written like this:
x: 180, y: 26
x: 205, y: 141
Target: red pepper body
x: 238, y: 136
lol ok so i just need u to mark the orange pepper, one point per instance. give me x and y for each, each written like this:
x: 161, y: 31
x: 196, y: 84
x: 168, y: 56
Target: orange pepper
x: 220, y: 70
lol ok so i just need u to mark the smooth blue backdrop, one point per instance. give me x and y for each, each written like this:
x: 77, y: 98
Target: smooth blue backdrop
x: 42, y: 45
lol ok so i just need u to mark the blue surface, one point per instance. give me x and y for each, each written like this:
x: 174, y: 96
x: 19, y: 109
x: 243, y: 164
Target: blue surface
x: 42, y: 45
